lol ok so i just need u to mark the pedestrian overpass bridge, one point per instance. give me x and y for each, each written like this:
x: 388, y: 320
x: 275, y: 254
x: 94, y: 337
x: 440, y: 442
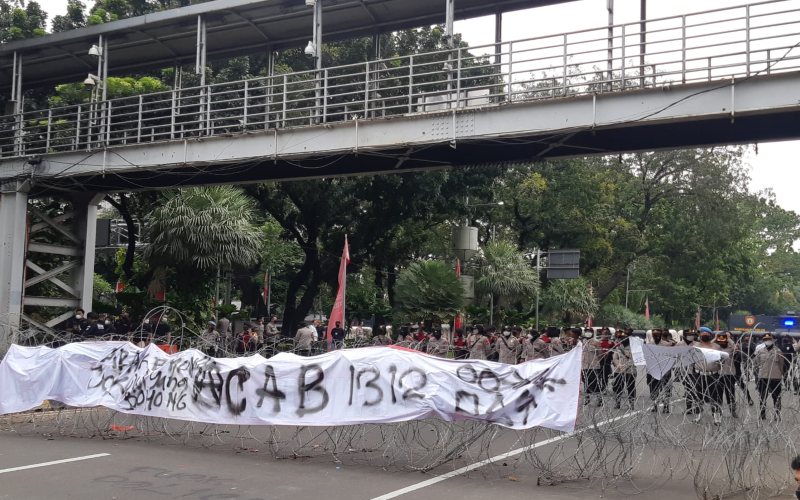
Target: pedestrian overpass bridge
x: 715, y: 77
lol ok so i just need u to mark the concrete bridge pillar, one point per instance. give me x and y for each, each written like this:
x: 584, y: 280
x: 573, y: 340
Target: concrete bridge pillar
x: 13, y: 236
x: 39, y: 248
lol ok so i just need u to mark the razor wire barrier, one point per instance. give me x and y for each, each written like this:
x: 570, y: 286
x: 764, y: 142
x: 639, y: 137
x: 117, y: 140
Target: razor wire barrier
x: 619, y: 442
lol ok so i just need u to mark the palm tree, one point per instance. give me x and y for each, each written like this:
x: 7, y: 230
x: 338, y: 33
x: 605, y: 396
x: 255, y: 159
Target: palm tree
x: 504, y: 272
x: 205, y: 228
x: 429, y: 289
x: 202, y: 228
x: 570, y: 300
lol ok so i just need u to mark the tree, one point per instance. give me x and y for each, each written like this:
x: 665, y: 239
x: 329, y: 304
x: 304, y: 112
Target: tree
x: 569, y: 301
x: 505, y: 273
x: 429, y: 289
x: 19, y: 21
x: 74, y: 18
x: 205, y: 228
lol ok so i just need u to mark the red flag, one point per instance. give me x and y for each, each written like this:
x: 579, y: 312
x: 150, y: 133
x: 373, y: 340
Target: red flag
x: 337, y: 313
x: 697, y: 319
x: 120, y: 287
x: 647, y: 308
x: 458, y: 268
x: 266, y: 288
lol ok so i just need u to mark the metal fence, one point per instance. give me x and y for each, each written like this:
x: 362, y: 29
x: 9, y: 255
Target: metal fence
x: 736, y: 42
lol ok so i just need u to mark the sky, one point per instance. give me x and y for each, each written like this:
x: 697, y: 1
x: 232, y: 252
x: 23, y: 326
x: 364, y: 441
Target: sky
x: 772, y: 164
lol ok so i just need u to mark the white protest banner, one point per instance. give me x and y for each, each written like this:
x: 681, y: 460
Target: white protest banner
x: 345, y: 387
x: 661, y: 359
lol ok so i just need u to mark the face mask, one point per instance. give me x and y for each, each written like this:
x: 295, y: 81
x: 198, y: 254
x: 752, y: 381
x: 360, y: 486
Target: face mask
x: 705, y: 338
x: 690, y: 338
x: 587, y: 335
x: 79, y: 316
x: 768, y: 343
x: 474, y: 332
x: 506, y: 333
x: 723, y: 343
x: 107, y: 322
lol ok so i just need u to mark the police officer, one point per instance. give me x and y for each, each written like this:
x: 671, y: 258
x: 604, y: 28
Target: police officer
x: 533, y: 347
x: 506, y: 345
x: 689, y: 379
x: 727, y: 373
x: 437, y: 346
x: 660, y: 390
x: 478, y: 343
x: 590, y: 367
x: 769, y: 365
x: 707, y: 374
x: 624, y: 371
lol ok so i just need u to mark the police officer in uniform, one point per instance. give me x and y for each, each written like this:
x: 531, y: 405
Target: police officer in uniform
x: 624, y: 371
x: 660, y: 390
x: 506, y: 345
x: 707, y: 374
x: 727, y: 373
x: 769, y: 365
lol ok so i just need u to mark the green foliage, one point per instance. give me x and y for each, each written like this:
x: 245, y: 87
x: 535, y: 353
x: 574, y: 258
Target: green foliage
x: 205, y: 228
x: 618, y: 316
x: 103, y: 290
x: 570, y: 301
x: 19, y: 20
x: 364, y: 299
x: 73, y: 19
x: 503, y: 271
x: 429, y: 289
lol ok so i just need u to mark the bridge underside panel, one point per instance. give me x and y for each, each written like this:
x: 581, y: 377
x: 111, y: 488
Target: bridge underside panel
x: 755, y: 110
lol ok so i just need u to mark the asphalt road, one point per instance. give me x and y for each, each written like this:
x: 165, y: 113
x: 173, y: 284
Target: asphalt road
x: 166, y: 469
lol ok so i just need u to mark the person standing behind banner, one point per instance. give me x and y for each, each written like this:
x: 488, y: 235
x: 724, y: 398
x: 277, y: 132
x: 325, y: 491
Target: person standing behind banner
x: 77, y: 324
x: 590, y: 368
x: 769, y: 365
x: 606, y: 357
x: 381, y: 338
x: 303, y: 339
x: 661, y: 390
x: 727, y: 373
x: 689, y: 379
x: 209, y: 340
x: 223, y: 326
x: 460, y: 344
x: 742, y: 362
x: 707, y: 373
x: 338, y: 335
x: 437, y: 346
x: 624, y: 371
x: 506, y: 346
x: 478, y: 343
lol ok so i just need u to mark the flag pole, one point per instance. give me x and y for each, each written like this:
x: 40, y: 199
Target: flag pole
x: 344, y: 291
x: 269, y: 292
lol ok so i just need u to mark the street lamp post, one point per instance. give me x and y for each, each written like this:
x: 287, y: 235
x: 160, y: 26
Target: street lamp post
x: 493, y: 204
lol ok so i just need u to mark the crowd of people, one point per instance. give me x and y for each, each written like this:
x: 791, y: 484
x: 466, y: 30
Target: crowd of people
x: 607, y: 364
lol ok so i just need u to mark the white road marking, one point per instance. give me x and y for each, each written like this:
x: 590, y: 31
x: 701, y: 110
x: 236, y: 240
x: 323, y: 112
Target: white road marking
x: 54, y: 462
x: 503, y: 456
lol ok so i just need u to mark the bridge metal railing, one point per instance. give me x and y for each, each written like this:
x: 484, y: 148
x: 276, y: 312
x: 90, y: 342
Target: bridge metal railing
x: 735, y: 42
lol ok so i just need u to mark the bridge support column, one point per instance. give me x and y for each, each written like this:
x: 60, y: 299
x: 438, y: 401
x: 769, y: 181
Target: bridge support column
x: 61, y: 252
x: 86, y: 207
x: 13, y: 236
